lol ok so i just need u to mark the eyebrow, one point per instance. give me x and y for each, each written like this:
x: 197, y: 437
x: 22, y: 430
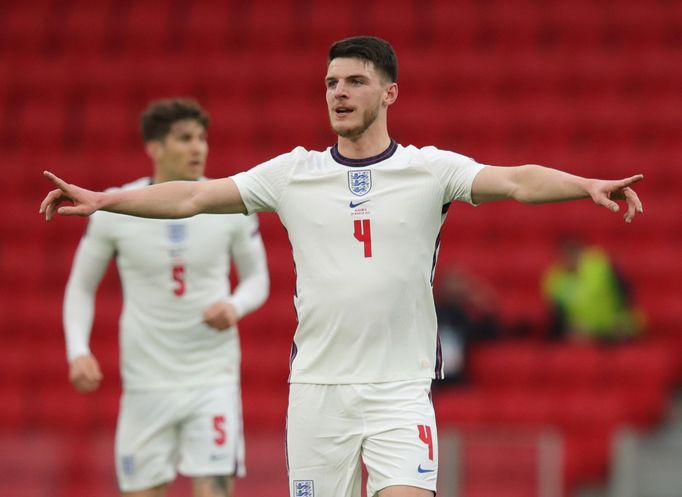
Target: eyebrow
x: 352, y: 76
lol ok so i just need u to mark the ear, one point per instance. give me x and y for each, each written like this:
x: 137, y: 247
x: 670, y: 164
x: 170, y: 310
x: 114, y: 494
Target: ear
x: 153, y: 149
x: 391, y: 94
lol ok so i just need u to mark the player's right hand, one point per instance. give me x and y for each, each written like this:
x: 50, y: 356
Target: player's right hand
x: 85, y: 374
x: 84, y: 201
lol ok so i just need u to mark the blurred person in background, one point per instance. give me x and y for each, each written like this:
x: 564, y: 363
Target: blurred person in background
x: 180, y: 353
x: 590, y: 299
x: 363, y: 218
x: 467, y: 311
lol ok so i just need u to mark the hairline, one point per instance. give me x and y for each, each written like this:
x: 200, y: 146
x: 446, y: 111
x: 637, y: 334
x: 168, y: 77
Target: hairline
x: 383, y: 75
x: 173, y: 123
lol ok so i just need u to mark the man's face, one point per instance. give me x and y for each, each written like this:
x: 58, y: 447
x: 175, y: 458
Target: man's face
x: 355, y: 95
x: 181, y: 155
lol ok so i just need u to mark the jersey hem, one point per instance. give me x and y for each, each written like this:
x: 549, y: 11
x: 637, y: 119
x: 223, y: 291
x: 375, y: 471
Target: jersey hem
x: 318, y: 380
x: 180, y: 386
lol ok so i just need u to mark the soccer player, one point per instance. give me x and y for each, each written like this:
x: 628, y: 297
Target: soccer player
x: 363, y: 218
x: 180, y: 356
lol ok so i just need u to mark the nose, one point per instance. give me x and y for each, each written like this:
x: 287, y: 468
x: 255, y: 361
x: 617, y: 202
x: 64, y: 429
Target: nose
x: 340, y: 90
x: 198, y: 146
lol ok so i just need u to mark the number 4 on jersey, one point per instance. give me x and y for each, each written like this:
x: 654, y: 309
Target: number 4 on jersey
x: 363, y: 234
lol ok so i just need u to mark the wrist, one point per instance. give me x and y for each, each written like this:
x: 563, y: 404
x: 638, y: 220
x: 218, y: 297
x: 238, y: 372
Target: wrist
x: 102, y: 200
x: 588, y: 186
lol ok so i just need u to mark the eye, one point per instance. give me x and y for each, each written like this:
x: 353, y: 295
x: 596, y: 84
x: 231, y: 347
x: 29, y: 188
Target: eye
x: 331, y: 83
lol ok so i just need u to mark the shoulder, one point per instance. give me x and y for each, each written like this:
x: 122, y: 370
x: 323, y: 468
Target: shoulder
x: 302, y: 156
x: 298, y: 159
x: 431, y: 154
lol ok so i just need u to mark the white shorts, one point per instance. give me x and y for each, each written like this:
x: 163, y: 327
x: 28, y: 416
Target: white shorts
x: 330, y: 427
x: 198, y: 431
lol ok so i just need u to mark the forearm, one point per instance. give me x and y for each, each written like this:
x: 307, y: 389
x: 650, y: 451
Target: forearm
x: 254, y: 279
x: 79, y: 311
x: 251, y: 292
x: 535, y: 184
x: 89, y: 264
x: 170, y: 200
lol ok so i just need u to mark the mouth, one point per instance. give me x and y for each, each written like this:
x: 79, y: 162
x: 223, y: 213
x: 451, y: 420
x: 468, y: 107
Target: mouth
x: 342, y: 111
x: 196, y: 163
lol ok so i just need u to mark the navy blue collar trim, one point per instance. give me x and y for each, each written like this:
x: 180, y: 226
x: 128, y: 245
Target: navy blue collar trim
x: 368, y: 161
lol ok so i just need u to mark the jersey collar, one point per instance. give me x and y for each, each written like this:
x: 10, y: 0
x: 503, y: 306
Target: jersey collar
x: 367, y: 161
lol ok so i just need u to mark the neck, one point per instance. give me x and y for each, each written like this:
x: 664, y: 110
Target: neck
x: 372, y: 142
x: 158, y: 178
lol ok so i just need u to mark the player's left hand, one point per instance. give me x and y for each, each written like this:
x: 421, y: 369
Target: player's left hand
x: 221, y: 315
x: 606, y: 192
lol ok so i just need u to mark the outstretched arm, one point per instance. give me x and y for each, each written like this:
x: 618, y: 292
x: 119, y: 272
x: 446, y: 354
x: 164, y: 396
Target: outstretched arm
x: 537, y: 184
x: 174, y: 199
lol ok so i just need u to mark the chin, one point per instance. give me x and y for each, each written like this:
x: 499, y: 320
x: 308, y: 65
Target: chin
x: 347, y: 131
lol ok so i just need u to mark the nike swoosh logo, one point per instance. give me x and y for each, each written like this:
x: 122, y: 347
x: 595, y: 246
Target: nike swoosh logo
x: 354, y: 205
x: 421, y: 470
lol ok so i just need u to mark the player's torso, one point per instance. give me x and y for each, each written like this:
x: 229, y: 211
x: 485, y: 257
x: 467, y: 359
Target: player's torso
x: 364, y: 242
x: 172, y: 260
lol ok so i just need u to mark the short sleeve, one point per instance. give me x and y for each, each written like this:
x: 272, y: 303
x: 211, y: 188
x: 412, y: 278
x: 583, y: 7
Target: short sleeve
x: 454, y: 171
x: 262, y: 186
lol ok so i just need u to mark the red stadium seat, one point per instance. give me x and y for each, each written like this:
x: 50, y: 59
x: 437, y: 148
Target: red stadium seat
x: 506, y: 365
x: 147, y: 27
x: 207, y: 25
x: 87, y: 27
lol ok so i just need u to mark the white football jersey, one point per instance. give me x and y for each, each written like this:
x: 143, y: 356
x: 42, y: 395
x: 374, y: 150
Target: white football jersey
x: 170, y: 271
x: 365, y: 236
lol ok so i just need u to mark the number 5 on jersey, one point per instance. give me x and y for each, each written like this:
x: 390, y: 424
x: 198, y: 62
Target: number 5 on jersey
x: 178, y: 275
x: 363, y: 233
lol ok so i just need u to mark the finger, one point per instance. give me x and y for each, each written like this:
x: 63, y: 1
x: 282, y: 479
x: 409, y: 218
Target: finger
x: 219, y: 324
x: 49, y: 198
x: 631, y: 180
x: 80, y: 384
x: 59, y: 183
x: 631, y: 197
x: 605, y: 201
x: 93, y: 372
x: 48, y: 205
x: 630, y: 214
x: 71, y: 210
x: 211, y: 323
x: 86, y: 386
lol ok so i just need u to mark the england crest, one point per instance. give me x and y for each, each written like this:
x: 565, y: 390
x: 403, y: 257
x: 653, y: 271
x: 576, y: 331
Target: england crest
x: 128, y: 465
x: 304, y: 488
x: 359, y: 182
x: 177, y: 232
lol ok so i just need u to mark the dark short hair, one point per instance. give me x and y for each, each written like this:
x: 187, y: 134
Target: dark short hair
x: 370, y: 49
x: 160, y: 115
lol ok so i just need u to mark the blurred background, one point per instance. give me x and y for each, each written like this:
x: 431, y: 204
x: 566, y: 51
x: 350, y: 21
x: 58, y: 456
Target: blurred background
x: 536, y: 405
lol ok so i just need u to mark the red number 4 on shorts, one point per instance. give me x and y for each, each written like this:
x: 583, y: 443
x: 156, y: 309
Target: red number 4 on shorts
x: 425, y: 436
